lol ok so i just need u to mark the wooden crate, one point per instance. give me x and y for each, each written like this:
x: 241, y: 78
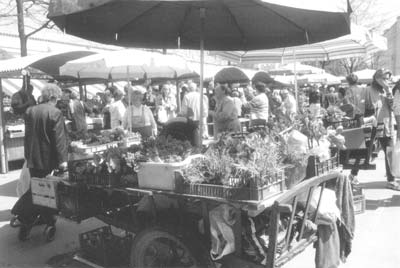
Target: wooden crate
x: 44, y: 191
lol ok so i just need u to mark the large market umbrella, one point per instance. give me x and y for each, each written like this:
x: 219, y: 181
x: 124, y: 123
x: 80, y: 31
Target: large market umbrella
x: 231, y: 75
x: 357, y: 44
x: 135, y: 63
x: 204, y: 24
x: 264, y: 77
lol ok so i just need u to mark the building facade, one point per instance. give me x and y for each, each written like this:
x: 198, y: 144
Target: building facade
x: 391, y: 57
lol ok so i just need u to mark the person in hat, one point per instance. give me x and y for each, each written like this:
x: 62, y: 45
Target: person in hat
x: 378, y: 103
x: 138, y: 117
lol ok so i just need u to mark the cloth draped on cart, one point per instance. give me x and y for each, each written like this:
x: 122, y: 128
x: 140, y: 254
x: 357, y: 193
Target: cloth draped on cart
x: 222, y: 219
x: 335, y: 231
x: 344, y: 201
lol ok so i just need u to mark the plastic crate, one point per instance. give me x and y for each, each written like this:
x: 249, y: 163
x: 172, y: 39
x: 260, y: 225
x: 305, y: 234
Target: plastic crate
x: 102, y: 247
x: 161, y: 176
x: 359, y: 204
x: 323, y: 167
x: 244, y: 192
x: 346, y: 124
x: 44, y: 191
x: 77, y: 203
x: 106, y: 180
x: 317, y: 168
x: 91, y: 149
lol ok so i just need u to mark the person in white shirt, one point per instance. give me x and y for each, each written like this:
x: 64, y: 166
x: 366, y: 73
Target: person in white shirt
x: 191, y: 107
x: 117, y: 109
x: 259, y: 105
x: 138, y: 117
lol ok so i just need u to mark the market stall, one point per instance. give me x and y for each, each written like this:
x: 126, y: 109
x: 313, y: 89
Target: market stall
x: 43, y: 67
x: 138, y: 187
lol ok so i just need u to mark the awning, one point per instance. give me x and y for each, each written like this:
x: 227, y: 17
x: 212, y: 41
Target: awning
x: 48, y: 63
x: 12, y: 85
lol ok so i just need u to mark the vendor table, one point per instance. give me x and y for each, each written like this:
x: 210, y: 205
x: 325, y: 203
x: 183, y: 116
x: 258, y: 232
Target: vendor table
x: 125, y: 214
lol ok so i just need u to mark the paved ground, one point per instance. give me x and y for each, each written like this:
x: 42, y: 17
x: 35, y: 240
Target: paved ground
x: 375, y: 244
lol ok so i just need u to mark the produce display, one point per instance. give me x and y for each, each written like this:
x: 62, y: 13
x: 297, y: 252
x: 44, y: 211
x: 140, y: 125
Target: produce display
x: 166, y: 149
x: 234, y: 161
x: 113, y: 167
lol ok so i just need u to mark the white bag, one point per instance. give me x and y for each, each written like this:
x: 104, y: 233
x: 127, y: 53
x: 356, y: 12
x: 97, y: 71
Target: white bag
x: 24, y: 182
x: 396, y: 160
x: 162, y: 115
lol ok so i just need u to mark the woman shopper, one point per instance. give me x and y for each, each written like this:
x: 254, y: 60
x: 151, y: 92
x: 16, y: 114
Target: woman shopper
x: 45, y: 146
x: 225, y: 114
x: 258, y: 106
x: 138, y: 117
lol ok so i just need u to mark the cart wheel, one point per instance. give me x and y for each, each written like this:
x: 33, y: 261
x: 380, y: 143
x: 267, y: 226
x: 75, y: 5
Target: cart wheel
x: 156, y: 247
x: 14, y: 222
x: 49, y: 233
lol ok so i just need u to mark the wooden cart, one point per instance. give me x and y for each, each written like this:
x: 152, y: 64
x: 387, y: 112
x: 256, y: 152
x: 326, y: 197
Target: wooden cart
x: 167, y: 232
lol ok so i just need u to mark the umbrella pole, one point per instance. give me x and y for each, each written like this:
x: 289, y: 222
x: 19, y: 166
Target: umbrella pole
x: 3, y: 157
x: 129, y: 100
x: 295, y: 78
x: 178, y: 96
x: 202, y: 20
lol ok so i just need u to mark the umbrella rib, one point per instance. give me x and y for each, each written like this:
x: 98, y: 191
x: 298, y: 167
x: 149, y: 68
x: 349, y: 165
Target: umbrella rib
x: 187, y: 11
x: 139, y: 16
x: 258, y: 2
x: 236, y: 23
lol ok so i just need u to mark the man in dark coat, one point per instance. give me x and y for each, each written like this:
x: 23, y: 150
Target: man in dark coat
x: 45, y: 150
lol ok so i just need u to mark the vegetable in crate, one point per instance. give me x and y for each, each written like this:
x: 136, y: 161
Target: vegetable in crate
x: 236, y: 161
x: 166, y: 149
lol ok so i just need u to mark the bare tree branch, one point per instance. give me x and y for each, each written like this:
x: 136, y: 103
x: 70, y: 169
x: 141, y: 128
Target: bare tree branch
x: 38, y: 29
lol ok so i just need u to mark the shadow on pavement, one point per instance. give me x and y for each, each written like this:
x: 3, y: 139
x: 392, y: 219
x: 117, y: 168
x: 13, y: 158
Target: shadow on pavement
x: 9, y: 189
x: 394, y: 201
x: 64, y: 260
x: 374, y: 185
x: 5, y: 215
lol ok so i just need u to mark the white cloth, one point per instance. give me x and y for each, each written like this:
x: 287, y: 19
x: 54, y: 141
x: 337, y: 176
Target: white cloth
x: 24, y: 182
x: 192, y: 101
x: 222, y: 219
x: 117, y: 111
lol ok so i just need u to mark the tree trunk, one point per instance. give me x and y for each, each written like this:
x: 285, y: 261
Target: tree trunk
x: 21, y: 28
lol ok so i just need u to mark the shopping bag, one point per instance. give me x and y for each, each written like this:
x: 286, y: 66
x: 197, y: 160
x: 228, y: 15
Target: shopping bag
x: 162, y: 115
x: 396, y: 160
x: 24, y: 182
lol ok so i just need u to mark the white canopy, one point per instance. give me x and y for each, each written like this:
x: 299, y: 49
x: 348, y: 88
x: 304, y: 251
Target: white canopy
x: 118, y: 65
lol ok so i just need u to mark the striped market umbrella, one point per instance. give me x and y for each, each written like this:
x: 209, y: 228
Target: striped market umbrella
x: 357, y: 44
